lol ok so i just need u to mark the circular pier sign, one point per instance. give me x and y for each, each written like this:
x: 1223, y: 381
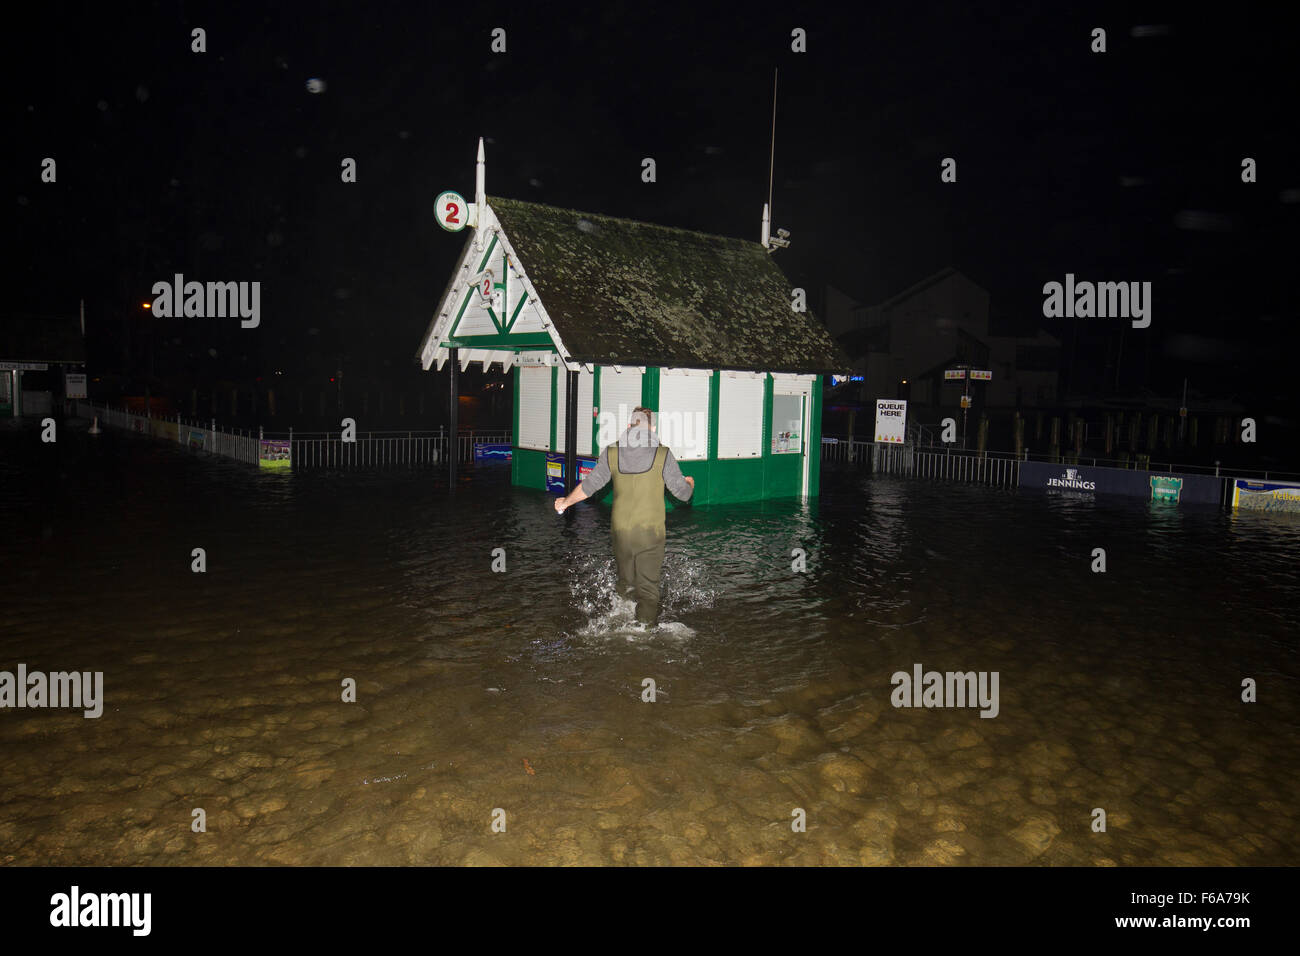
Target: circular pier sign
x: 452, y: 211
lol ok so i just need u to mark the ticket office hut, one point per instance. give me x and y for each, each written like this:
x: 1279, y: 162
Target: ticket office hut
x: 618, y: 313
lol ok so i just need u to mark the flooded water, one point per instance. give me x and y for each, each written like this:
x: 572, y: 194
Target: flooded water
x: 516, y: 696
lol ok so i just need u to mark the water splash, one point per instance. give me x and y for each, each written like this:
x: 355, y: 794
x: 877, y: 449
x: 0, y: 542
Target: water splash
x: 593, y: 583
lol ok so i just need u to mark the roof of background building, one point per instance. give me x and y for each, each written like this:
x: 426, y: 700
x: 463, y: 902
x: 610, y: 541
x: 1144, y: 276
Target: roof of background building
x: 923, y: 284
x: 41, y: 338
x: 634, y: 293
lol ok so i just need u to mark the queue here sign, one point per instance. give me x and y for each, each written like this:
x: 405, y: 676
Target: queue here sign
x: 891, y: 420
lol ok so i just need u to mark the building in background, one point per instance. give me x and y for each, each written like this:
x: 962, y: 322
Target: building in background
x: 901, y: 347
x: 42, y: 362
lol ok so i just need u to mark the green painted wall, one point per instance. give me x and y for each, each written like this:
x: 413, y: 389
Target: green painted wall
x: 528, y: 468
x: 650, y: 389
x: 595, y: 403
x: 814, y: 430
x: 782, y: 476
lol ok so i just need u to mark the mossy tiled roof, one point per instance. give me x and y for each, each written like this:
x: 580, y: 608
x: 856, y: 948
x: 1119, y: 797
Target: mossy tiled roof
x: 633, y: 293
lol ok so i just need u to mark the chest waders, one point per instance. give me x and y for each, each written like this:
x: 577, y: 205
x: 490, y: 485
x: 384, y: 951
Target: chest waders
x: 637, y: 530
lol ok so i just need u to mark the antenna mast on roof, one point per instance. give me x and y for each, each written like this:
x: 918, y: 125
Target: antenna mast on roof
x: 769, y: 243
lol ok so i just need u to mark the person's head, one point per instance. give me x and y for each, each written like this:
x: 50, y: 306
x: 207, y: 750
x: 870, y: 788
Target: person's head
x: 641, y: 417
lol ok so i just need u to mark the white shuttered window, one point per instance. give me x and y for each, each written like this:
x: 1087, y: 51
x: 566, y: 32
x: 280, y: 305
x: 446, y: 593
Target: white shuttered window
x: 585, y: 380
x: 740, y: 416
x: 620, y: 392
x: 534, y: 407
x: 683, y: 421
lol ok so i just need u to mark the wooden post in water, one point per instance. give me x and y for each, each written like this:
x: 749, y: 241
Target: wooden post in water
x: 1018, y: 430
x: 1055, y: 445
x: 570, y: 430
x: 1110, y: 424
x: 452, y: 416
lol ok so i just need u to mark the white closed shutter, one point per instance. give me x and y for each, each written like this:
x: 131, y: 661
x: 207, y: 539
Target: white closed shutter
x: 585, y: 381
x: 740, y: 416
x: 792, y: 384
x: 683, y: 423
x: 586, y: 385
x: 534, y: 407
x: 561, y: 406
x: 620, y: 392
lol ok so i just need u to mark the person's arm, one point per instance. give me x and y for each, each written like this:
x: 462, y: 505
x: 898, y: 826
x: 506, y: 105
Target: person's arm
x: 572, y: 498
x: 680, y: 485
x: 595, y: 480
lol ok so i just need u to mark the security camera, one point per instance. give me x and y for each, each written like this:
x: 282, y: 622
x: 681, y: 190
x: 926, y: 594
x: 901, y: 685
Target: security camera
x: 783, y: 233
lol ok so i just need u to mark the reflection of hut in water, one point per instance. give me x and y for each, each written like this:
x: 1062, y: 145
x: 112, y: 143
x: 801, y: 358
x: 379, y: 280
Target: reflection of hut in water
x: 598, y: 315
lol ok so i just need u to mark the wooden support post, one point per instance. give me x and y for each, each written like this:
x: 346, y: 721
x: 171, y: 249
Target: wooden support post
x: 570, y: 431
x: 454, y: 408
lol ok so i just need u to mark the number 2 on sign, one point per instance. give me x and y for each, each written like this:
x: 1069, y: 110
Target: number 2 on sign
x: 452, y: 204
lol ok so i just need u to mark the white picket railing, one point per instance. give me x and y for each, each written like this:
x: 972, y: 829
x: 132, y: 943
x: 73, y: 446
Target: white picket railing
x: 306, y: 449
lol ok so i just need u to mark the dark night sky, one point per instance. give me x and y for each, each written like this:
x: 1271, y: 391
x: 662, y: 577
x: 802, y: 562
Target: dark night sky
x: 224, y: 167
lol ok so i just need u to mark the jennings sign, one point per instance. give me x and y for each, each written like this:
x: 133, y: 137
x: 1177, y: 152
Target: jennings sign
x: 1081, y: 479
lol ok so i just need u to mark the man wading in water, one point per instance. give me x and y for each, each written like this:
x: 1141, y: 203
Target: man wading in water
x: 641, y: 469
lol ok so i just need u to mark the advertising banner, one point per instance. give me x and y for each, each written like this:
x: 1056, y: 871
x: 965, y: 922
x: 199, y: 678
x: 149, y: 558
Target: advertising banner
x: 555, y: 471
x: 74, y: 384
x: 1265, y: 495
x: 273, y: 453
x: 198, y: 439
x: 1166, y: 488
x: 487, y: 451
x: 891, y: 420
x: 1096, y: 479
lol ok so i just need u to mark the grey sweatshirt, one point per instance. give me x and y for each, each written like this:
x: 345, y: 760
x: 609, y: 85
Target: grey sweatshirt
x: 636, y: 453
